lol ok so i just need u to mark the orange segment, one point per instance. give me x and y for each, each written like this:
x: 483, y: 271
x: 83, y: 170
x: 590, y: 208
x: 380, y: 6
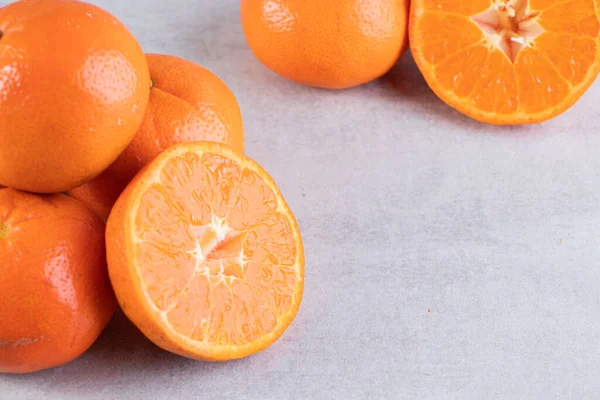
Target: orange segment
x: 204, y: 254
x: 540, y: 85
x: 456, y: 72
x: 192, y: 304
x: 507, y: 61
x: 572, y: 55
x: 255, y: 203
x: 577, y: 17
x: 435, y: 45
x: 496, y: 89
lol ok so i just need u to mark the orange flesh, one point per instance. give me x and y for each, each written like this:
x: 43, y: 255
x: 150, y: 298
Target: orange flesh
x: 216, y: 250
x: 507, y: 59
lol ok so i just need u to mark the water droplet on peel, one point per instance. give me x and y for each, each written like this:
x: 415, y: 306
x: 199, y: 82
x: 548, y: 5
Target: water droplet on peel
x: 119, y: 121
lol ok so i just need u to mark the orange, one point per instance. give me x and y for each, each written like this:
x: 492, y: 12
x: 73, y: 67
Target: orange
x: 187, y: 103
x: 329, y: 44
x: 205, y: 255
x: 55, y: 294
x: 73, y: 88
x: 507, y: 61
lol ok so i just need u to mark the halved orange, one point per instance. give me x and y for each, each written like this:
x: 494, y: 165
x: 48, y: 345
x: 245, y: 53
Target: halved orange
x: 204, y: 254
x: 507, y: 61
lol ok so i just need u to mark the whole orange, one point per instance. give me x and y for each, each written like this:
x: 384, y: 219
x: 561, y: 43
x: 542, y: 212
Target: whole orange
x: 55, y: 295
x: 187, y: 103
x: 73, y: 88
x: 329, y: 44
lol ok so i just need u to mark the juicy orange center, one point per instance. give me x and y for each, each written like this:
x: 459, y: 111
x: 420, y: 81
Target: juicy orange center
x: 509, y: 25
x: 216, y: 252
x: 222, y: 247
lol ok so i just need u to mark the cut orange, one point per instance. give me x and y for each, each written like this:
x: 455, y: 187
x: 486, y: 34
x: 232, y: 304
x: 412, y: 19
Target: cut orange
x: 204, y: 254
x: 507, y: 61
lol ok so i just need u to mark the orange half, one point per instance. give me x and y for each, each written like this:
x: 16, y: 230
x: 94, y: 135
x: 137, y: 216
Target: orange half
x: 204, y: 254
x: 507, y: 61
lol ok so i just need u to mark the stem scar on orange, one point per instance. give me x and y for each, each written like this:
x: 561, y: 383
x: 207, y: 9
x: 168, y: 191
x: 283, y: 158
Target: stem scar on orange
x: 204, y: 254
x: 507, y: 61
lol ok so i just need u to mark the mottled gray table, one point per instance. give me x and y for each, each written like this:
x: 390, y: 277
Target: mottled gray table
x: 446, y: 259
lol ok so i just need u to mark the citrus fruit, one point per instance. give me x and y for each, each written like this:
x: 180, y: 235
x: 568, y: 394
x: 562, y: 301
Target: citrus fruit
x: 73, y: 88
x: 187, y: 103
x: 204, y: 254
x: 55, y: 294
x: 507, y: 61
x: 329, y: 44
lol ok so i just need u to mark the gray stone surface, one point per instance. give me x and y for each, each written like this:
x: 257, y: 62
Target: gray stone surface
x: 445, y: 259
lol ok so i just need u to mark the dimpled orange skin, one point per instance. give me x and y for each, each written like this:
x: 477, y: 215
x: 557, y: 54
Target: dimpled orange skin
x: 187, y: 103
x: 73, y: 88
x: 328, y: 44
x: 55, y: 295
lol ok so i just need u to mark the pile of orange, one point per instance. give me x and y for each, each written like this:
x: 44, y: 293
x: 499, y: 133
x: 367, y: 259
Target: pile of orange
x: 200, y: 249
x: 163, y: 213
